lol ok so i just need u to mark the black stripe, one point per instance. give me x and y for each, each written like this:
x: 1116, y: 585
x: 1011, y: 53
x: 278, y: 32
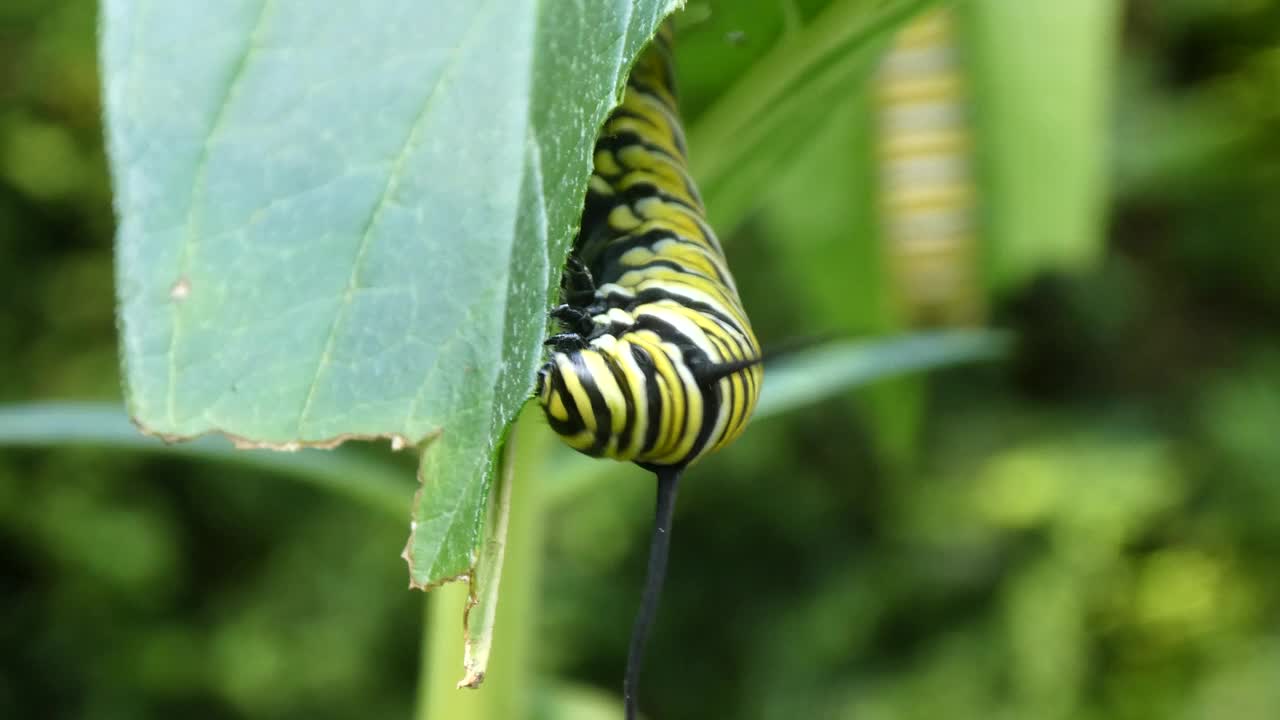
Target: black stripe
x: 653, y: 396
x: 608, y: 267
x: 710, y: 409
x: 653, y: 295
x: 643, y: 190
x: 718, y: 280
x: 574, y: 424
x: 616, y: 142
x: 561, y: 427
x: 690, y: 354
x: 623, y: 244
x: 685, y: 417
x: 669, y: 264
x: 622, y: 112
x: 629, y: 420
x: 675, y: 136
x: 599, y: 408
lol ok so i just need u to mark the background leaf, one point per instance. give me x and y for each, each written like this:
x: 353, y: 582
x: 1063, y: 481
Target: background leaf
x: 824, y: 372
x: 774, y: 107
x: 379, y: 484
x: 348, y: 224
x: 1041, y: 74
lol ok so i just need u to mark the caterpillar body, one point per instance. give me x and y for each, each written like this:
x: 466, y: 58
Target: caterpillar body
x: 657, y: 363
x: 928, y: 192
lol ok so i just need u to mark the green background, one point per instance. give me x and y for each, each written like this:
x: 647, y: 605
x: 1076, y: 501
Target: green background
x: 1088, y: 530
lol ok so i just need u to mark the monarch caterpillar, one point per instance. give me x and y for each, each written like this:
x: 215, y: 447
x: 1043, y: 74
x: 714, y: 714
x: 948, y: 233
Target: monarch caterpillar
x: 657, y: 363
x: 927, y: 197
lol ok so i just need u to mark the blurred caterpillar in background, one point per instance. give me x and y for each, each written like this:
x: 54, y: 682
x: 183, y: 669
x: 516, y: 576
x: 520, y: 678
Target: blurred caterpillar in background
x: 657, y: 363
x: 927, y: 188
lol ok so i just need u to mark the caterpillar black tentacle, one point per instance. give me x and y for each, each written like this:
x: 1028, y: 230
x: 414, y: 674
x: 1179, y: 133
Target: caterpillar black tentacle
x: 659, y: 550
x: 657, y: 363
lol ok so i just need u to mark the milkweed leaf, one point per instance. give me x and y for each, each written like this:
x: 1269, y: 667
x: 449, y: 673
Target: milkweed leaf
x: 345, y: 224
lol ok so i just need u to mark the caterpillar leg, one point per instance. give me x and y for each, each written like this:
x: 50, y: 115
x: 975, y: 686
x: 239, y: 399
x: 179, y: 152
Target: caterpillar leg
x: 577, y: 269
x: 577, y: 285
x: 566, y: 342
x: 575, y: 319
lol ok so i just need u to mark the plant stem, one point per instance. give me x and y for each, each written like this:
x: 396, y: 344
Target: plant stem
x: 507, y: 688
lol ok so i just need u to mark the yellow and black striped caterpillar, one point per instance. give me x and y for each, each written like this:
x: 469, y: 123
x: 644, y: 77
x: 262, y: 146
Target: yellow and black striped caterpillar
x: 657, y: 363
x: 927, y: 185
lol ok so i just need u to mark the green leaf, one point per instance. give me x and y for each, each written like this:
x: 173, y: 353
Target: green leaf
x: 381, y: 485
x: 822, y: 372
x: 565, y: 701
x: 1041, y: 73
x: 785, y: 97
x: 824, y: 228
x: 348, y: 224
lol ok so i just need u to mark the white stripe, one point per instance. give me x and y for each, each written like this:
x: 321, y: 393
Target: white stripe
x: 936, y: 222
x: 922, y: 116
x: 913, y: 172
x: 684, y: 326
x: 907, y: 62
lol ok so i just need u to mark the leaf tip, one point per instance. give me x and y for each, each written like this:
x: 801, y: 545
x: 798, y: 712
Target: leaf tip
x: 472, y: 680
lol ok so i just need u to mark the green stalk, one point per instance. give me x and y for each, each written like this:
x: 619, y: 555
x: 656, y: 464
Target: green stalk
x: 441, y: 667
x: 506, y: 691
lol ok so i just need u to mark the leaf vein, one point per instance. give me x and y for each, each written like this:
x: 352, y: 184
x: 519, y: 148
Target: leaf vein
x: 384, y: 199
x: 198, y: 189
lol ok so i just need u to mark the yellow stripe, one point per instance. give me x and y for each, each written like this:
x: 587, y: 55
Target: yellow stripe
x: 925, y: 143
x: 622, y: 219
x: 578, y: 394
x: 605, y: 164
x: 931, y: 87
x: 928, y: 198
x: 607, y: 388
x: 556, y: 409
x: 635, y: 381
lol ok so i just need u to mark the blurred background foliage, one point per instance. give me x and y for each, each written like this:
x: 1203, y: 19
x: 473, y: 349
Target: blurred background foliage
x: 1086, y: 531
